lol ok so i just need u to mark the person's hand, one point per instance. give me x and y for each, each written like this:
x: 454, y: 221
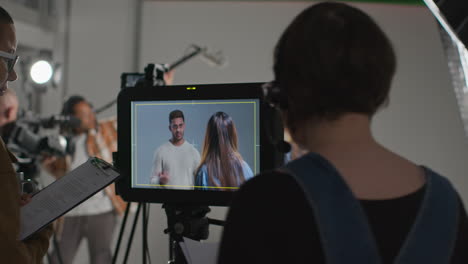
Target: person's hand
x: 163, y: 177
x: 169, y: 77
x: 47, y: 161
x: 24, y: 199
x: 53, y: 165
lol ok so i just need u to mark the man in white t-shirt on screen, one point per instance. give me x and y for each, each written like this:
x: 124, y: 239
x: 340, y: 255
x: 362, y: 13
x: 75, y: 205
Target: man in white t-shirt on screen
x: 175, y: 162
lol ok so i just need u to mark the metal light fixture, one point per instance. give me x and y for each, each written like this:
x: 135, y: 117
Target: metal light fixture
x: 41, y: 72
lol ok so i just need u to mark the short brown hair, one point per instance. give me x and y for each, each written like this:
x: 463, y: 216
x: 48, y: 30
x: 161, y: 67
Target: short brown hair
x: 332, y: 59
x: 176, y: 114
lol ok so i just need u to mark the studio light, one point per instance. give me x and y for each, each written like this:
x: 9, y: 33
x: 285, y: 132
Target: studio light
x: 41, y: 72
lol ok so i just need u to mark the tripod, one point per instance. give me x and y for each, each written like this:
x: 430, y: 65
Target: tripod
x: 132, y: 232
x: 183, y: 220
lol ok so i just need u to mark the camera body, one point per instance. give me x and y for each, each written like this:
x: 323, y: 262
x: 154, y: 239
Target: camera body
x: 28, y: 140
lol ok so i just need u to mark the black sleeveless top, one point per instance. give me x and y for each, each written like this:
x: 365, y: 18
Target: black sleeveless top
x: 270, y: 221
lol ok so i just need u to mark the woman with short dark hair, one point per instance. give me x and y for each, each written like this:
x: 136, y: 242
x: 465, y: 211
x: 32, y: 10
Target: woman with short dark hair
x: 349, y: 200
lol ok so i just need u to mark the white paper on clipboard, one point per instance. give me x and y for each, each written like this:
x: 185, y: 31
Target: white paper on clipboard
x: 64, y: 194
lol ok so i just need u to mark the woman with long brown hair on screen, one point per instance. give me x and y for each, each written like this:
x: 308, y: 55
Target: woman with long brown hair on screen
x: 221, y: 166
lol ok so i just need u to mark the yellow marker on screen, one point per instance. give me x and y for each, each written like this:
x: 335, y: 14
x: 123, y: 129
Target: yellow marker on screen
x: 191, y: 88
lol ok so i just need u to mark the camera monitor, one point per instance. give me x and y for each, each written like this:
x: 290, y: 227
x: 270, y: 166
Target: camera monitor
x: 192, y: 144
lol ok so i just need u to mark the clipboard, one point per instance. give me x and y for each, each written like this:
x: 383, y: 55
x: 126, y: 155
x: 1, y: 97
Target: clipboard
x: 65, y: 194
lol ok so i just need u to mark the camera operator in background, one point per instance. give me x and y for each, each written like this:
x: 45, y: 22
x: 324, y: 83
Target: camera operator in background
x: 26, y: 160
x: 95, y: 218
x: 33, y: 249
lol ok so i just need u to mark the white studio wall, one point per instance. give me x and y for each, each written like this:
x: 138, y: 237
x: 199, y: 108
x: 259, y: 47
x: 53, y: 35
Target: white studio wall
x: 35, y: 38
x: 101, y: 41
x: 32, y: 36
x: 423, y: 120
x: 244, y: 31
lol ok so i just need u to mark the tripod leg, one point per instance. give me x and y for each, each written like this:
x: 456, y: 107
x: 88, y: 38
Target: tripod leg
x: 132, y: 233
x: 171, y: 250
x: 57, y: 255
x: 121, y: 232
x: 143, y: 229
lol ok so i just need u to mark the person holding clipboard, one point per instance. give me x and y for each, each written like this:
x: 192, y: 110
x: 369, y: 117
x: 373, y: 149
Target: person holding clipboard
x: 33, y: 249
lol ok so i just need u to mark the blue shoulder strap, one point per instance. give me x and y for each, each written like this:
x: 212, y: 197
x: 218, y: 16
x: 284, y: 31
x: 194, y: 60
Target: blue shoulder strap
x: 344, y: 231
x: 433, y: 235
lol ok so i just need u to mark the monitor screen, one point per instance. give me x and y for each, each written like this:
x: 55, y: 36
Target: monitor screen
x: 183, y: 144
x: 193, y: 144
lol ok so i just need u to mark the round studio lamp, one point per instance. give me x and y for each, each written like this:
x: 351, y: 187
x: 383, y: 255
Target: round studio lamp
x: 41, y: 72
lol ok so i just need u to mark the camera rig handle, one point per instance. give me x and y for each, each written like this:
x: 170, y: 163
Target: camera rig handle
x: 154, y: 74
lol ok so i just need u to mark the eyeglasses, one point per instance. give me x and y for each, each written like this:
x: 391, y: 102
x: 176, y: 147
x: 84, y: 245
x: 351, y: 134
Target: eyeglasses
x: 10, y: 60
